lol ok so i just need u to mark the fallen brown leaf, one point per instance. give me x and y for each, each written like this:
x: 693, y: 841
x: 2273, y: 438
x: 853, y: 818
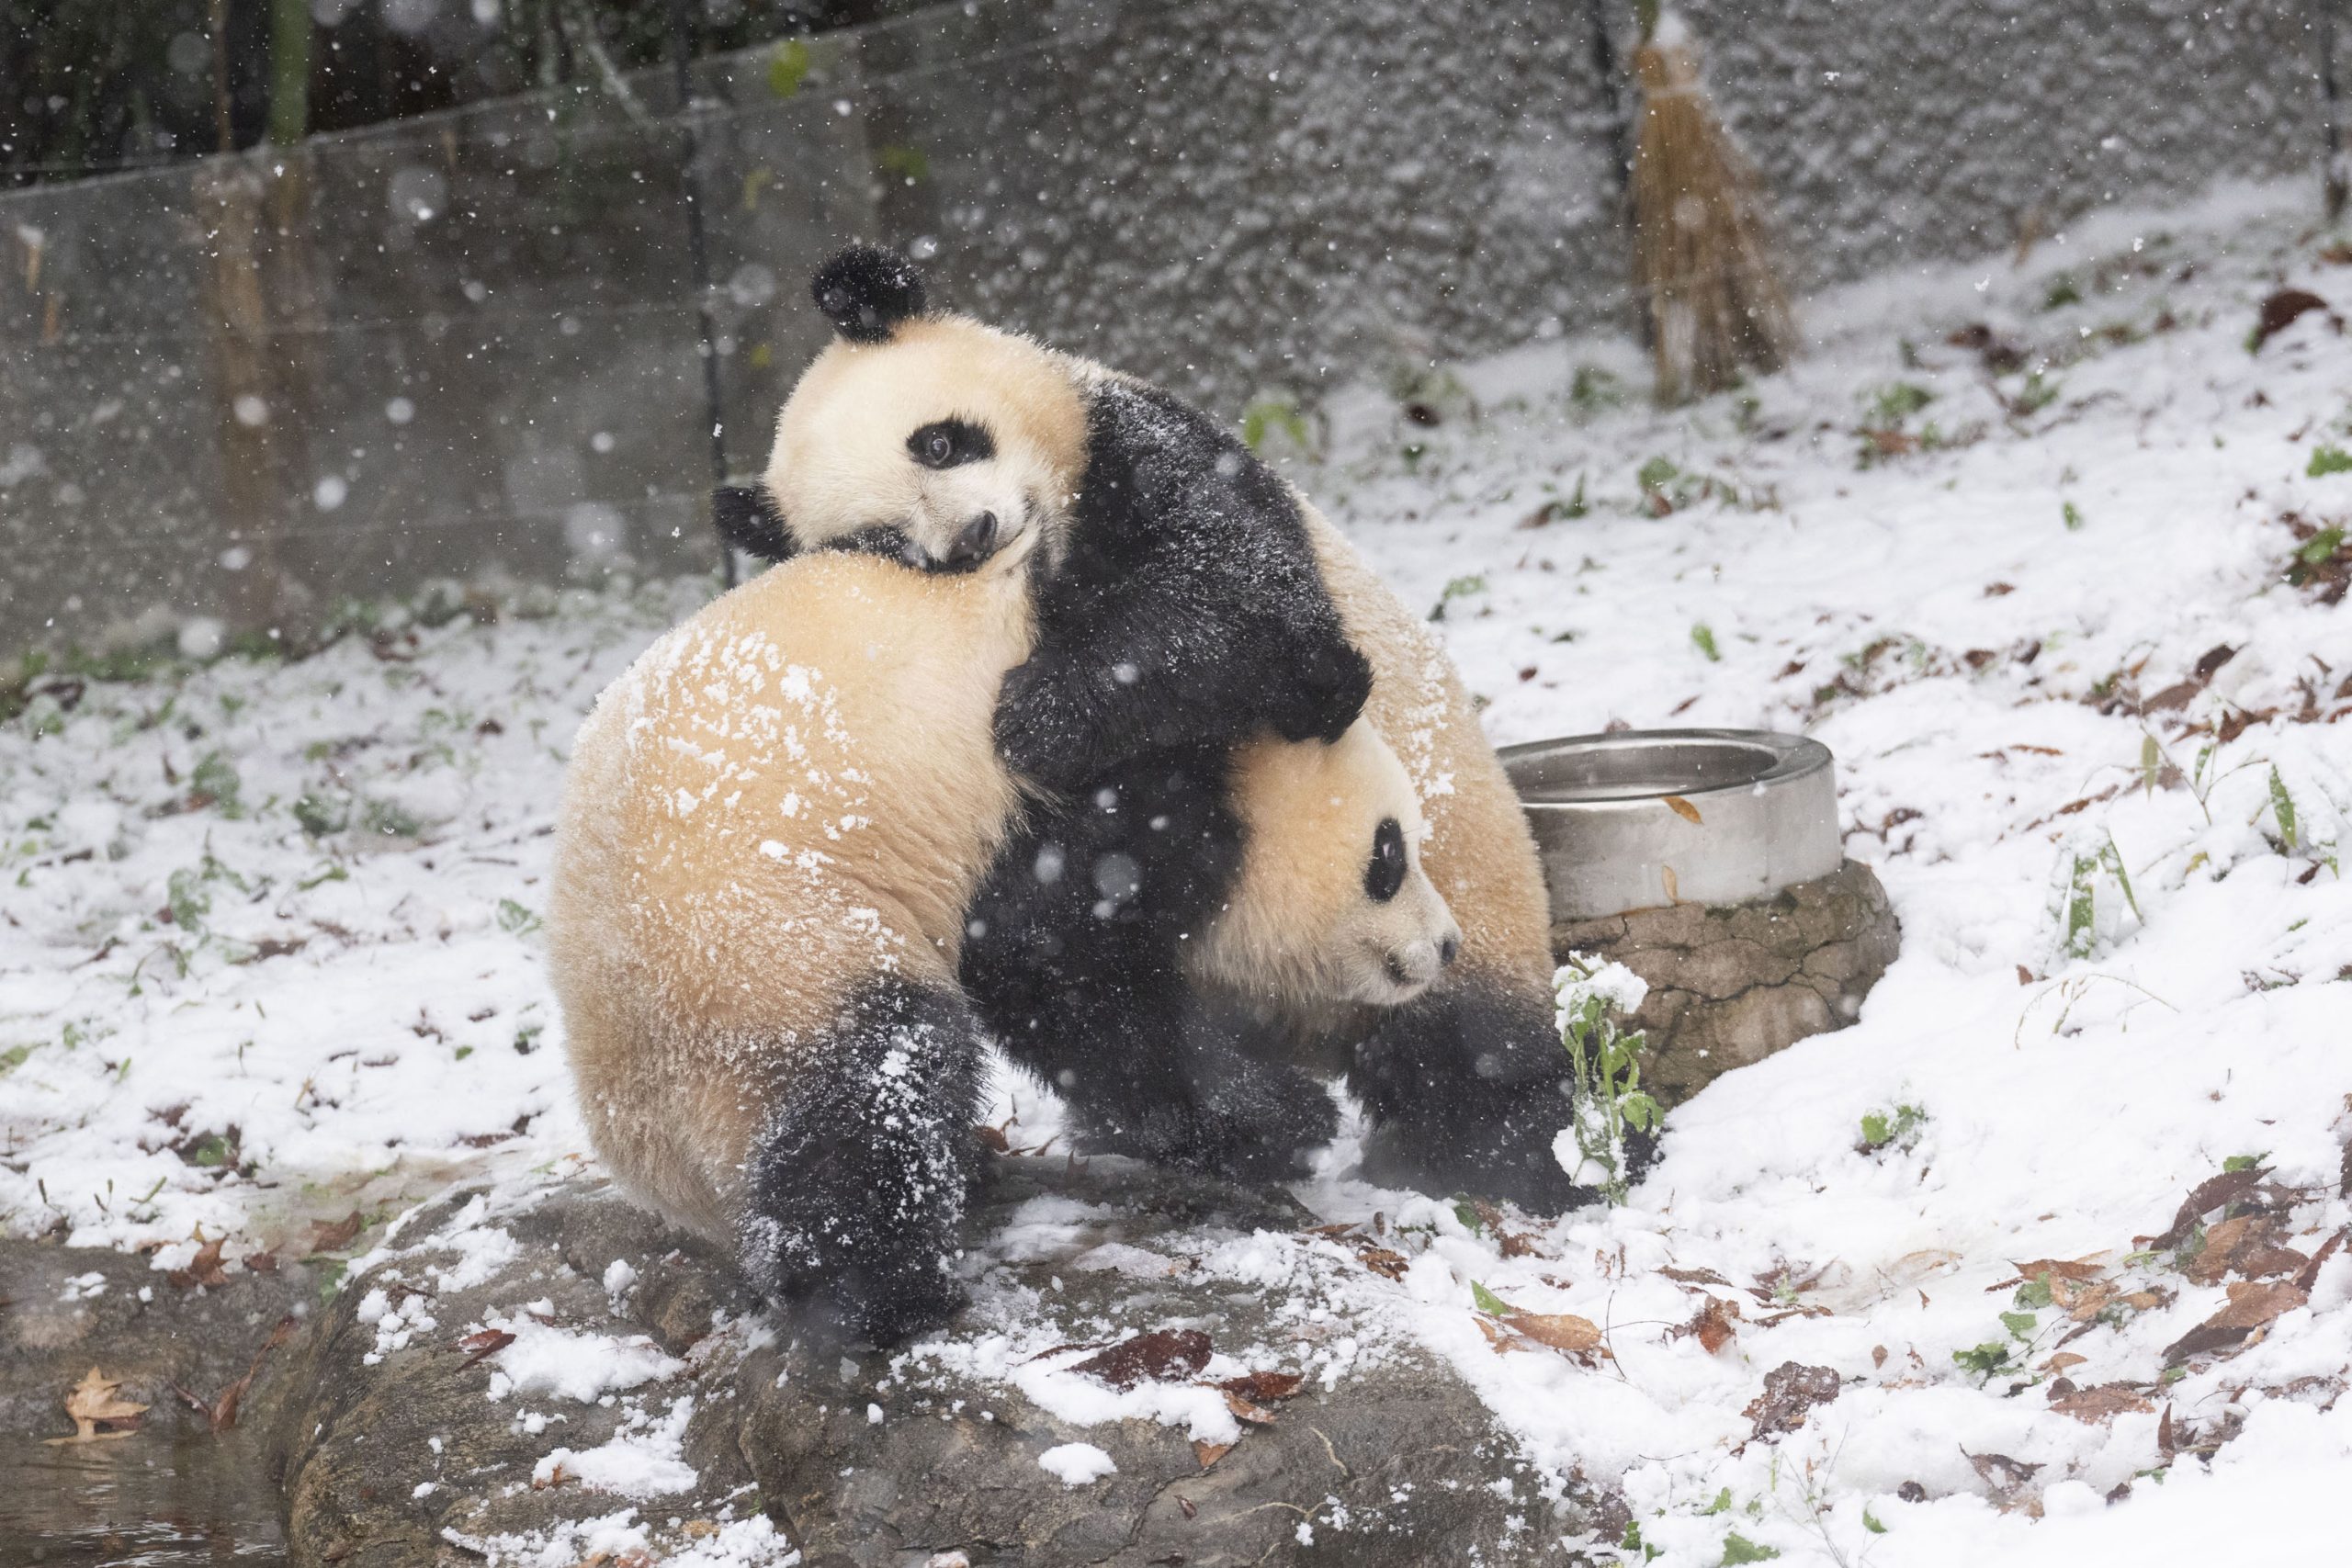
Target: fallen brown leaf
x: 92, y: 1404
x: 1498, y: 1338
x: 1209, y: 1453
x: 335, y: 1235
x: 2207, y: 1195
x: 1161, y: 1356
x: 1713, y: 1324
x: 2280, y: 311
x: 1683, y: 810
x: 2001, y: 1472
x: 2251, y: 1307
x: 2309, y: 1276
x: 488, y: 1342
x: 1791, y: 1392
x: 1264, y: 1387
x: 1381, y: 1261
x: 2062, y: 1360
x: 2103, y: 1403
x: 1243, y: 1410
x: 1561, y: 1331
x: 1694, y: 1276
x: 204, y: 1269
x: 2056, y: 1268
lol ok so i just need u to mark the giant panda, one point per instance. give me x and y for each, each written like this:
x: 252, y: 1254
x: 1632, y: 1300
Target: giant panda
x: 1184, y: 594
x: 772, y: 828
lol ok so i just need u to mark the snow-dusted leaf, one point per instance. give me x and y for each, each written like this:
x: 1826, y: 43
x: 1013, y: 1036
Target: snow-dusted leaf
x: 1164, y: 1355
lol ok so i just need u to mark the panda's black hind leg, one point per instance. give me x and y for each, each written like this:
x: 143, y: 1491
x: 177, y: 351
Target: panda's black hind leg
x: 859, y: 1181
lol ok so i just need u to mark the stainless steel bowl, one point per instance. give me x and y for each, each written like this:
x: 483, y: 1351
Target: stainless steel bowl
x: 1648, y: 816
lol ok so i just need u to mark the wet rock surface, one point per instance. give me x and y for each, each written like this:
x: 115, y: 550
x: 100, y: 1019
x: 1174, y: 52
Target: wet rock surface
x: 174, y: 1491
x: 398, y: 1427
x: 1733, y: 984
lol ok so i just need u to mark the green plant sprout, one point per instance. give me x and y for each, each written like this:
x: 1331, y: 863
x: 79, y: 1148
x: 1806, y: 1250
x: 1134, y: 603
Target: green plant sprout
x: 1605, y: 1063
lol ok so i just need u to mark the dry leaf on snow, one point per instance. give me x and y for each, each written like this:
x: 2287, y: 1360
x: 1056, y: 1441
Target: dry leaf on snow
x: 1791, y: 1392
x: 1561, y: 1331
x: 2251, y: 1306
x: 1714, y: 1323
x: 2096, y: 1404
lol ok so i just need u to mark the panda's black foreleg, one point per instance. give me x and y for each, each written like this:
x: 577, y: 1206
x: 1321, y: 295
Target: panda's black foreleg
x: 859, y: 1180
x: 1167, y: 674
x: 1466, y: 1088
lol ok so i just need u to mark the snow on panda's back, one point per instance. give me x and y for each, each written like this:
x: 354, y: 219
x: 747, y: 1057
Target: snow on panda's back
x: 812, y: 752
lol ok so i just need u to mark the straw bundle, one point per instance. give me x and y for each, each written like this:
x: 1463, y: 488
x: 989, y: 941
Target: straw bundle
x: 1699, y: 251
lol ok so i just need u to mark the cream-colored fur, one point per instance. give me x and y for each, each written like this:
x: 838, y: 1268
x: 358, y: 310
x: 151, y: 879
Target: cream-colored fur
x: 1480, y: 851
x: 1298, y: 922
x: 841, y: 463
x: 796, y: 789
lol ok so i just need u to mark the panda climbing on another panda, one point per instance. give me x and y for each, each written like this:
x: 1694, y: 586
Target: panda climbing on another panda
x: 1185, y: 597
x: 772, y: 828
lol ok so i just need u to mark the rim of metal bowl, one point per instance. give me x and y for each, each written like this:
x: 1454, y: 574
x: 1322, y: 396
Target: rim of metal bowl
x: 1793, y: 757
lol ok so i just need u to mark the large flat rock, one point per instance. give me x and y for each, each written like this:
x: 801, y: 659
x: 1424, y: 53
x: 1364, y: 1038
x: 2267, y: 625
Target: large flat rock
x: 650, y: 1403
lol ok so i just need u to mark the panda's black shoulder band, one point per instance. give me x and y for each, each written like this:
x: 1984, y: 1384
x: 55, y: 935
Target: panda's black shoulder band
x: 865, y: 291
x: 747, y: 518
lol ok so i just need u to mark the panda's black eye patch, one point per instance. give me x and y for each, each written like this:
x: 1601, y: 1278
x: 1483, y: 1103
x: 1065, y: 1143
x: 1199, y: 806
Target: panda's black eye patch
x: 1385, y: 875
x: 949, y: 442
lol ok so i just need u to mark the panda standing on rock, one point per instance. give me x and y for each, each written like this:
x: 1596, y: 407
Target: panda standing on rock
x: 1127, y: 944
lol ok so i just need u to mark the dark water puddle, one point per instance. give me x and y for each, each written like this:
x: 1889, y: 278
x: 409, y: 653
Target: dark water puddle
x: 139, y: 1502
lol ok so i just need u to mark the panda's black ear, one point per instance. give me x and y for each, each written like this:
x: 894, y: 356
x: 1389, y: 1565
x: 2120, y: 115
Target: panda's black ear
x: 865, y: 291
x: 748, y: 518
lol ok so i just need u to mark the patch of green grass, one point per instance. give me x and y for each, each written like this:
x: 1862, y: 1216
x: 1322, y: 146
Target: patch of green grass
x: 1702, y: 637
x: 2244, y: 1162
x: 1592, y: 389
x: 788, y: 67
x: 1987, y: 1361
x: 1900, y: 1127
x: 318, y: 814
x: 2326, y: 460
x: 1738, y: 1549
x: 384, y: 819
x: 1898, y: 401
x: 215, y: 779
x: 1276, y: 415
x: 188, y: 900
x: 904, y: 163
x: 514, y: 920
x: 2072, y: 515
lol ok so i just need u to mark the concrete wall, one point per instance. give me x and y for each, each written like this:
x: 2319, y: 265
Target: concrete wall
x: 466, y: 345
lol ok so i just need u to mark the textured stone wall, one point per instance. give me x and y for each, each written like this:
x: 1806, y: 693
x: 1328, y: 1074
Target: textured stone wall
x: 467, y: 346
x: 1731, y: 984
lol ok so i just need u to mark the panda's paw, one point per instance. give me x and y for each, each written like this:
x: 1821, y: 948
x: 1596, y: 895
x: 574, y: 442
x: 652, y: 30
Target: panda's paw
x: 1329, y: 684
x: 883, y: 1306
x: 1257, y: 1124
x: 1513, y: 1164
x: 1039, y: 733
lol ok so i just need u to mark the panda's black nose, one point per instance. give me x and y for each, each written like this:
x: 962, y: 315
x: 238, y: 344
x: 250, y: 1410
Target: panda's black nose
x: 1448, y: 951
x: 974, y: 544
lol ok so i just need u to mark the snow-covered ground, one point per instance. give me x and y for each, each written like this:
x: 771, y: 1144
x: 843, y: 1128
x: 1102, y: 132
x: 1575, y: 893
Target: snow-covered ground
x: 269, y: 947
